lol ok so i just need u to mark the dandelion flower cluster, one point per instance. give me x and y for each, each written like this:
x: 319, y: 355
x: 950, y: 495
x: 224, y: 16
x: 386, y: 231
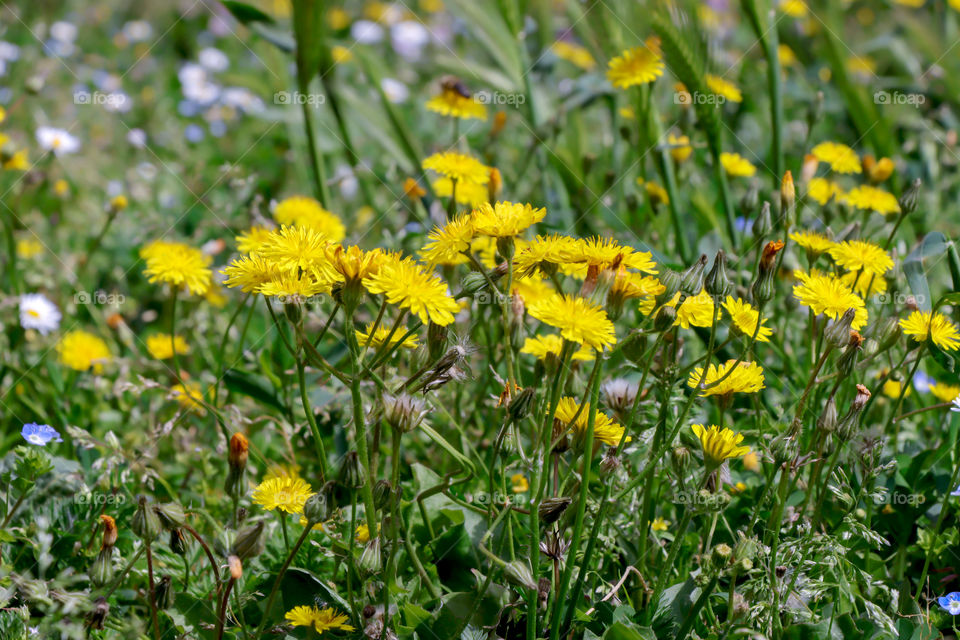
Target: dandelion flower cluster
x: 828, y: 295
x: 82, y: 351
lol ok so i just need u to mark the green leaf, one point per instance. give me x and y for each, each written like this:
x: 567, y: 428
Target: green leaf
x: 489, y: 29
x: 251, y: 386
x: 628, y: 631
x: 246, y: 13
x: 934, y: 244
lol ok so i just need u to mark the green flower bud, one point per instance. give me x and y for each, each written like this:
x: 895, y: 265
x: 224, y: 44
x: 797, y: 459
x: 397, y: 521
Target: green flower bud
x: 164, y: 593
x: 403, y: 412
x: 634, y: 346
x: 522, y: 402
x: 170, y: 514
x: 249, y: 542
x: 436, y: 340
x: 519, y: 574
x: 691, y: 280
x: 145, y: 524
x: 473, y: 283
x: 101, y: 571
x: 178, y: 542
x: 315, y: 508
x: 763, y: 225
x: 717, y: 283
x: 720, y: 556
x: 837, y: 332
x: 382, y: 495
x: 910, y: 197
x: 370, y: 560
x: 506, y: 247
x: 351, y: 475
x: 551, y: 509
x: 827, y: 421
x: 665, y: 319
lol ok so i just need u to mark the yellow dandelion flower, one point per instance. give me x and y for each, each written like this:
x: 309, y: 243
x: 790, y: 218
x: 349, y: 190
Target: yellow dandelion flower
x: 447, y: 244
x: 923, y: 326
x: 878, y: 170
x: 822, y: 190
x: 505, y: 219
x: 252, y: 239
x: 655, y: 193
x: 694, y: 311
x: 320, y: 619
x: 812, y: 241
x: 866, y: 197
x: 794, y: 8
x: 285, y: 493
x: 659, y: 524
x: 29, y: 248
x: 639, y: 65
x: 719, y: 443
x: 857, y: 255
x: 605, y: 430
x: 751, y: 462
x: 405, y: 283
x: 469, y: 193
x: 860, y: 282
x: 543, y: 346
x: 380, y: 337
x: 892, y: 389
x: 303, y: 211
x: 828, y: 295
x: 453, y: 103
x: 353, y: 264
x: 178, y: 265
x: 189, y: 396
x: 840, y: 157
x: 744, y: 317
x: 19, y: 161
x: 746, y: 378
x: 944, y: 392
x: 249, y: 273
x: 573, y: 53
x: 736, y: 165
x: 787, y: 57
x: 630, y: 285
x: 82, y: 351
x: 577, y: 319
x: 680, y: 148
x: 295, y: 285
x: 604, y: 253
x: 162, y: 346
x: 545, y: 254
x: 299, y: 249
x: 724, y: 88
x: 458, y: 166
x: 518, y: 483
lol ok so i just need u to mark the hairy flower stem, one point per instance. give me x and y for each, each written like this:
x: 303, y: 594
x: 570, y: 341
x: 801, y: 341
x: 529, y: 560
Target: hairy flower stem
x: 360, y: 424
x: 540, y: 477
x: 773, y: 528
x: 561, y: 591
x: 394, y: 529
x: 151, y: 591
x: 276, y: 583
x: 222, y: 609
x: 311, y: 419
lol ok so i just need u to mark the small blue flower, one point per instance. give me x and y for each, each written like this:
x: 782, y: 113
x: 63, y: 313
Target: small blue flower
x: 955, y: 492
x: 950, y: 603
x: 40, y: 434
x: 922, y: 382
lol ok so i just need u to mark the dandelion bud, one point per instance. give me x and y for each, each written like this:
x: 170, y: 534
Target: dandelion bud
x: 610, y: 463
x: 521, y: 403
x: 837, y: 332
x: 784, y: 447
x: 680, y: 458
x: 519, y: 574
x: 98, y: 615
x: 235, y: 566
x: 101, y: 571
x: 164, y: 592
x: 634, y: 346
x: 118, y: 203
x: 109, y: 532
x: 328, y: 500
x: 910, y: 197
x: 551, y: 509
x: 370, y: 560
x: 403, y: 412
x: 237, y: 460
x: 848, y: 359
x: 178, y: 542
x: 763, y: 225
x: 145, y: 524
x: 412, y: 190
x: 543, y: 592
x: 717, y: 283
x: 249, y: 542
x: 506, y: 247
x: 788, y: 202
x: 351, y: 475
x: 691, y: 280
x: 314, y: 509
x: 437, y: 339
x: 720, y: 556
x: 560, y: 436
x: 170, y: 514
x: 382, y: 495
x: 888, y: 333
x: 472, y: 283
x: 665, y: 319
x: 670, y: 280
x: 494, y: 186
x: 293, y: 312
x: 827, y: 422
x: 516, y: 326
x: 848, y: 424
x: 763, y: 285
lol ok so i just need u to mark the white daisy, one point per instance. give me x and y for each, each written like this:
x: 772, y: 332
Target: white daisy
x: 37, y: 312
x: 956, y: 404
x: 57, y: 140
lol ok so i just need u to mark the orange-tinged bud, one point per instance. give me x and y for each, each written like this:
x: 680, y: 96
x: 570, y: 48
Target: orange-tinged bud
x: 769, y: 254
x: 495, y: 185
x: 109, y: 531
x: 413, y: 190
x: 239, y: 450
x: 809, y: 168
x: 879, y: 171
x: 499, y: 122
x: 236, y: 567
x: 114, y: 320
